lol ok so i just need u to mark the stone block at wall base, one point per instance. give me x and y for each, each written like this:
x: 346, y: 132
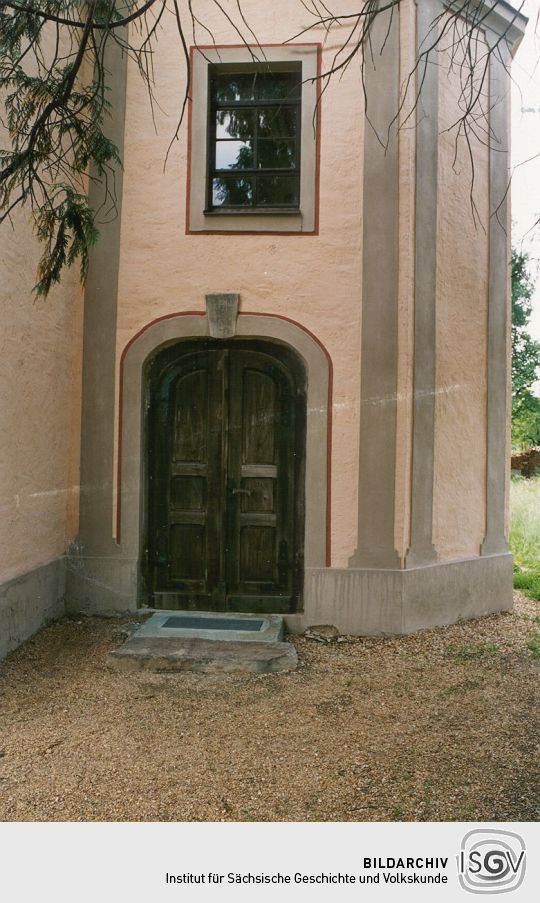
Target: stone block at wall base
x: 366, y: 602
x: 358, y: 601
x: 101, y: 586
x: 30, y: 601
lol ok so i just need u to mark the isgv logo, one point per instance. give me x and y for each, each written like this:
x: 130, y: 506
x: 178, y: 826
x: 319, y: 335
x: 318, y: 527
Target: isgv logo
x: 491, y: 861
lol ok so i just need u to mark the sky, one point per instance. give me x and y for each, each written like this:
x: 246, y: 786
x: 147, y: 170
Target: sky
x: 526, y: 147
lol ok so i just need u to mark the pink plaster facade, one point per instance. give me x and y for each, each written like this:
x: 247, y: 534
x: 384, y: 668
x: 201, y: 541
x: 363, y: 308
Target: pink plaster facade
x: 312, y: 279
x: 40, y: 365
x: 316, y: 280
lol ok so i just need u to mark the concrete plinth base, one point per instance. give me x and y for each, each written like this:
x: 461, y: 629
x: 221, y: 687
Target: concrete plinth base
x: 101, y: 585
x: 373, y: 602
x: 30, y: 601
x: 209, y: 656
x: 359, y: 601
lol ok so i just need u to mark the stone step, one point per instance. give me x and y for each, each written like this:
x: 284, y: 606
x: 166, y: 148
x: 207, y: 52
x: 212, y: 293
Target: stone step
x: 213, y: 625
x: 210, y: 656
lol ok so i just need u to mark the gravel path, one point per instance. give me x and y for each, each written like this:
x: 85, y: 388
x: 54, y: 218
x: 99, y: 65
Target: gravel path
x: 442, y: 725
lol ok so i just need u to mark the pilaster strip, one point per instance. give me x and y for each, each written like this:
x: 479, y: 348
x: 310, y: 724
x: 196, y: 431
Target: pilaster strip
x: 421, y: 550
x: 99, y: 339
x: 498, y: 375
x: 378, y: 389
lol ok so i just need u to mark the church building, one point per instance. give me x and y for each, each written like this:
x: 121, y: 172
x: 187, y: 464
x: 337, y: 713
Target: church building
x: 284, y: 387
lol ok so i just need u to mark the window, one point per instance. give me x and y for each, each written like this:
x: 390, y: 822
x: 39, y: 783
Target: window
x: 254, y: 136
x: 252, y: 164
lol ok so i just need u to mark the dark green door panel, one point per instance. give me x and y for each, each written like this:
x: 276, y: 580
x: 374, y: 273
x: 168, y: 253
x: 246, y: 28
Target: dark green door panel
x: 261, y: 481
x: 225, y: 428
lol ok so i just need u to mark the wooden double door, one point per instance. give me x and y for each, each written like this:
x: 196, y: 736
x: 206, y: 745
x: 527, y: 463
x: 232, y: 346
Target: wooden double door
x: 225, y: 433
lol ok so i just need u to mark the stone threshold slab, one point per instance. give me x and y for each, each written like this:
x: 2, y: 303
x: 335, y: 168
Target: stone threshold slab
x: 213, y: 626
x: 208, y: 656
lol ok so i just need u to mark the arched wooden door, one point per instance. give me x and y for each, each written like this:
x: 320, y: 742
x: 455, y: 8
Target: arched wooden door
x: 225, y: 477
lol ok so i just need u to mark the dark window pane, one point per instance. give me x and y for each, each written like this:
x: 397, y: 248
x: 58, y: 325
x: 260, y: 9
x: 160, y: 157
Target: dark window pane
x: 256, y: 131
x: 273, y: 154
x: 278, y: 191
x: 234, y: 124
x: 277, y: 122
x: 234, y: 155
x: 270, y: 85
x: 230, y: 192
x: 233, y: 87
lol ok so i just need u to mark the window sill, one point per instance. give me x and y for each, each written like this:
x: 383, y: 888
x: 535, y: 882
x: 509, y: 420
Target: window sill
x: 268, y: 211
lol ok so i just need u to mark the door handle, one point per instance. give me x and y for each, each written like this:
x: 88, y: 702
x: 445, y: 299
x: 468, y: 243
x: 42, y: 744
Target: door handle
x: 240, y: 491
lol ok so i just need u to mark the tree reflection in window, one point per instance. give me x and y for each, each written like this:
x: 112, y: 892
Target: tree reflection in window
x: 255, y: 138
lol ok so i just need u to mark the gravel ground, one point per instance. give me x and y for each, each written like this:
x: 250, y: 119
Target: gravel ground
x: 442, y: 725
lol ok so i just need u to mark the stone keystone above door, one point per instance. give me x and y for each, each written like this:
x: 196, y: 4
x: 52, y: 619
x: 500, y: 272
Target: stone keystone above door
x: 222, y: 312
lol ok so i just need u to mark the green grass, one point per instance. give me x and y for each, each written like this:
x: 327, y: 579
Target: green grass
x: 528, y: 582
x: 525, y: 534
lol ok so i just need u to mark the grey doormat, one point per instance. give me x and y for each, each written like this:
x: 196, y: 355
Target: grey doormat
x: 213, y: 625
x: 192, y: 622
